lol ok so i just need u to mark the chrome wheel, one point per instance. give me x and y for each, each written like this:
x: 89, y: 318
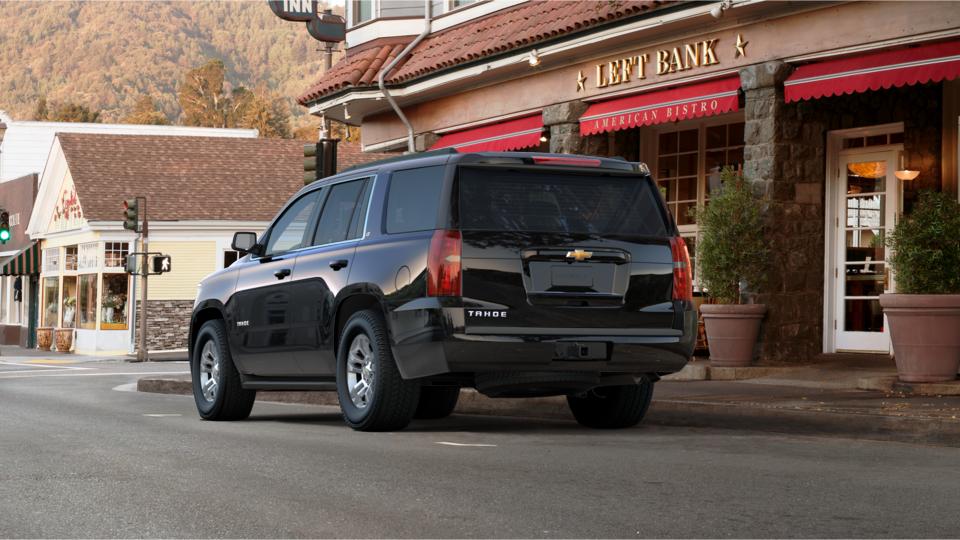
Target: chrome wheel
x: 360, y: 371
x: 209, y: 370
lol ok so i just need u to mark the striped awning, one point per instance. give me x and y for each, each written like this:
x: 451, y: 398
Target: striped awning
x: 26, y: 262
x: 915, y: 65
x: 661, y: 106
x: 501, y: 137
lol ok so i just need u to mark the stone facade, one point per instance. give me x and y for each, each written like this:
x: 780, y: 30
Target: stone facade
x: 785, y: 159
x: 168, y: 324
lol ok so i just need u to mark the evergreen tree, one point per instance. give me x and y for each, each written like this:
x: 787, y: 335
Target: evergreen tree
x: 72, y: 112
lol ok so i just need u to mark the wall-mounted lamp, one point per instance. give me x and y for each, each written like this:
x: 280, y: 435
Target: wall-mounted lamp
x: 543, y: 138
x: 346, y: 113
x: 534, y: 58
x: 903, y: 173
x: 718, y: 10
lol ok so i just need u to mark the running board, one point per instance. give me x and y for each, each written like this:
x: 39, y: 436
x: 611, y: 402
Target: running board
x: 261, y: 383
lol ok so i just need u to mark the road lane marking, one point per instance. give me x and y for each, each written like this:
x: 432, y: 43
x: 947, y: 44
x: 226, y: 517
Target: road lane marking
x: 49, y: 361
x: 447, y: 443
x: 162, y: 415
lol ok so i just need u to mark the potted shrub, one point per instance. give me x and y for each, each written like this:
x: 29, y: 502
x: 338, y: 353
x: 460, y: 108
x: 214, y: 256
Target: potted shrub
x: 730, y: 252
x: 924, y: 314
x: 44, y: 338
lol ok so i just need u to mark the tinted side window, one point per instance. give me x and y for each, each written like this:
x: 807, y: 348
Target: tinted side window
x: 413, y: 199
x: 338, y: 211
x: 290, y: 230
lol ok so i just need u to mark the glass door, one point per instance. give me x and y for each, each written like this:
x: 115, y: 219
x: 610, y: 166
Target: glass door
x: 868, y: 200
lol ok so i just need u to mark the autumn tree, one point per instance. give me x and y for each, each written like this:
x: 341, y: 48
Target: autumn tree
x: 64, y: 112
x: 145, y: 112
x: 202, y: 98
x: 40, y: 112
x: 264, y: 111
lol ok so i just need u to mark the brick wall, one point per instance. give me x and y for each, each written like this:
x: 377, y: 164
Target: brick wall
x: 168, y: 324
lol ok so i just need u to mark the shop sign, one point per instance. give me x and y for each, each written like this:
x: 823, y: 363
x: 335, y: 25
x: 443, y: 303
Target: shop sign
x: 294, y: 10
x: 637, y: 67
x: 67, y: 213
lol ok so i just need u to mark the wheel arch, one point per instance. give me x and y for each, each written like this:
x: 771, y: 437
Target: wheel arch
x: 358, y: 299
x: 202, y: 313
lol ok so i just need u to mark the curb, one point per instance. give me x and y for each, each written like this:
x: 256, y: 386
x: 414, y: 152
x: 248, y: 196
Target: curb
x: 893, y: 384
x: 669, y: 412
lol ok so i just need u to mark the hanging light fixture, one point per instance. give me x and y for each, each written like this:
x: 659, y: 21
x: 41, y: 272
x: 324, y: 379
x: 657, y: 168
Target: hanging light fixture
x: 903, y: 173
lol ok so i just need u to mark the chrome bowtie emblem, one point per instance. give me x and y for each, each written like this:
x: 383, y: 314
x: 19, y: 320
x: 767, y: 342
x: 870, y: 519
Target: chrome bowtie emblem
x: 579, y: 255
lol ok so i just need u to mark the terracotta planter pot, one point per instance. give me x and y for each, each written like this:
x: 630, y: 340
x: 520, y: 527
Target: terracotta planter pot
x: 925, y: 331
x: 732, y: 331
x: 64, y: 339
x: 44, y: 338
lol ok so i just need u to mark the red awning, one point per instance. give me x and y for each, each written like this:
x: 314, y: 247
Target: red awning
x: 509, y: 135
x: 927, y: 63
x: 691, y: 101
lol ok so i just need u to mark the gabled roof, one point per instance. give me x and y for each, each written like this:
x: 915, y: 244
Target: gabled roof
x: 183, y: 178
x: 522, y: 26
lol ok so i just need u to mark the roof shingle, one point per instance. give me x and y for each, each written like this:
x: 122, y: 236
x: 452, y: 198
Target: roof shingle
x: 521, y: 26
x: 183, y: 178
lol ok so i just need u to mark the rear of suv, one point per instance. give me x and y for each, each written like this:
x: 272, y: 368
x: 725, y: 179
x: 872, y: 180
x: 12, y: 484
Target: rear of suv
x: 399, y: 283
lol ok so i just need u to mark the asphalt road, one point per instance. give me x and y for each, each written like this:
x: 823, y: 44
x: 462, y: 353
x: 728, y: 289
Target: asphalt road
x: 81, y: 457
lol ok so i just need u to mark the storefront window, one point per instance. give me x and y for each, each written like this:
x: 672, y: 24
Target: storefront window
x: 115, y: 253
x: 362, y: 11
x: 89, y: 257
x: 51, y: 300
x: 87, y: 301
x: 70, y: 258
x: 69, y: 301
x: 51, y: 260
x: 113, y: 315
x: 677, y: 159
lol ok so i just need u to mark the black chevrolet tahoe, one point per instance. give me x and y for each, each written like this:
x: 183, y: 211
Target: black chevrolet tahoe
x: 398, y: 283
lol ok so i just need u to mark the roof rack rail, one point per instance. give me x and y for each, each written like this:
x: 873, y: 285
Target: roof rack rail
x: 441, y: 152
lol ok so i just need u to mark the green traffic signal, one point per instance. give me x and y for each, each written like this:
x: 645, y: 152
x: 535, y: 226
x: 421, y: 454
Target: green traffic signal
x: 4, y: 227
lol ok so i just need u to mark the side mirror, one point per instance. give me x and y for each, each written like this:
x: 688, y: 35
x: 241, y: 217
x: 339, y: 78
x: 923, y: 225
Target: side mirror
x: 245, y: 242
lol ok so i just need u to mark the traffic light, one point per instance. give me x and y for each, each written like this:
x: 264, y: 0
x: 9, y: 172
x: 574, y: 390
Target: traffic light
x: 4, y: 227
x: 131, y: 214
x: 311, y: 162
x: 319, y: 160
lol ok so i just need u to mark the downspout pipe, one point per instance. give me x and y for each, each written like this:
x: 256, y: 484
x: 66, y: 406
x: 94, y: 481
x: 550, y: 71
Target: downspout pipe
x: 411, y: 147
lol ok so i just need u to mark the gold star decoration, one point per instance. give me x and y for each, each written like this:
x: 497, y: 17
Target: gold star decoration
x: 580, y: 81
x: 741, y: 46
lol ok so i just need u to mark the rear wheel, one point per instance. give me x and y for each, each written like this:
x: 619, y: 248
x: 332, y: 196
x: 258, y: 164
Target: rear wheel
x: 612, y: 407
x: 437, y: 402
x: 217, y: 390
x: 373, y: 395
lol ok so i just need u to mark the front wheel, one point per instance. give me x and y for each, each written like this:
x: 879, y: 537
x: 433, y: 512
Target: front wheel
x: 612, y: 407
x: 217, y: 390
x: 373, y: 395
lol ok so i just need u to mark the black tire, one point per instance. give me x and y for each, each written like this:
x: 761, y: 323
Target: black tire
x: 391, y: 401
x: 612, y: 407
x: 230, y: 401
x: 437, y: 402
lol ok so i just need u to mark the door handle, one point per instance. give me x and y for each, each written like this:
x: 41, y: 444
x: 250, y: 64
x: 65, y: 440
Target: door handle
x: 280, y: 274
x: 338, y: 264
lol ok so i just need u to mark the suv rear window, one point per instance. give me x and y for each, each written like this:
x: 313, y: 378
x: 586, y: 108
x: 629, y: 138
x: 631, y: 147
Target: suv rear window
x: 414, y: 199
x: 558, y: 203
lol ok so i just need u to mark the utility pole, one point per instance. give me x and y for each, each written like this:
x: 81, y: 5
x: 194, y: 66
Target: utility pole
x: 142, y: 350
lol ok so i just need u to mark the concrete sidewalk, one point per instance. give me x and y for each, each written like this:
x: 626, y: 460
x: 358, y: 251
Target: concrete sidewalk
x: 819, y: 399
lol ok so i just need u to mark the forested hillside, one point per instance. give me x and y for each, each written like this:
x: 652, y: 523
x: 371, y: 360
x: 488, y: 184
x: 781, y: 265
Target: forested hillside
x: 108, y: 55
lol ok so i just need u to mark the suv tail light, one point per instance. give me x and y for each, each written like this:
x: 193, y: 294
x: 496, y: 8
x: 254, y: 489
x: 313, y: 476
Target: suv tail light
x: 558, y: 160
x: 443, y: 264
x: 682, y: 278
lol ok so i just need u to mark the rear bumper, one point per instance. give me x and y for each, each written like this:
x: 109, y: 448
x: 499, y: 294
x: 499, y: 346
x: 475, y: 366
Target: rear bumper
x: 437, y: 343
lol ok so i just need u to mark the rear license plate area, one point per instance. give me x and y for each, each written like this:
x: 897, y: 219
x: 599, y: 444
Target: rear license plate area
x: 581, y: 351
